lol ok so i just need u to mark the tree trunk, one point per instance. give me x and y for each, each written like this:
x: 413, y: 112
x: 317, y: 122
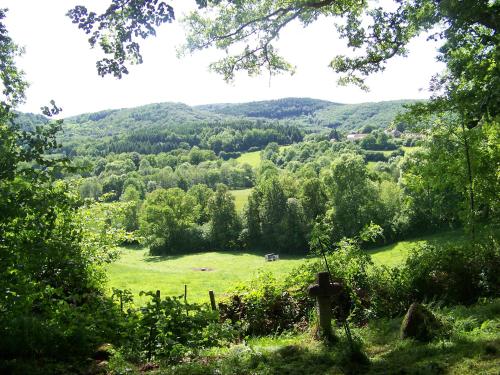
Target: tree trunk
x: 470, y: 182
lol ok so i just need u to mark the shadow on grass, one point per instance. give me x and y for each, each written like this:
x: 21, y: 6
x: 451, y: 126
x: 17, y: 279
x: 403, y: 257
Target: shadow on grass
x: 411, y: 357
x: 163, y: 258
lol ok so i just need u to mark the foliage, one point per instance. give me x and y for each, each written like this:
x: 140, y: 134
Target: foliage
x: 52, y: 307
x: 116, y: 29
x: 169, y: 329
x: 224, y: 222
x: 455, y: 274
x: 264, y: 307
x: 168, y: 222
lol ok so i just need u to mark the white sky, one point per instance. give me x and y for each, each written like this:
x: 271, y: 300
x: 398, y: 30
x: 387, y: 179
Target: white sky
x: 60, y: 65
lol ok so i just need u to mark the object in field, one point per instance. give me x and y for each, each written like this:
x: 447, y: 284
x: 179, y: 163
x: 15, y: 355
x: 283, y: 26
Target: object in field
x: 325, y: 293
x: 420, y: 324
x: 271, y: 257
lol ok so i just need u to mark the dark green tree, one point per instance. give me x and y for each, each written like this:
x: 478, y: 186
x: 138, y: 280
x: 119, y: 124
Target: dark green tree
x: 225, y: 225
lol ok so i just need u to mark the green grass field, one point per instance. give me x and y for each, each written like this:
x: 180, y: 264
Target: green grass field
x: 136, y: 270
x: 251, y: 158
x: 410, y: 149
x: 240, y: 198
x: 396, y: 253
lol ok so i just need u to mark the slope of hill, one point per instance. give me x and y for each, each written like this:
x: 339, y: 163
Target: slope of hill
x: 307, y: 112
x: 161, y: 127
x: 116, y: 121
x: 355, y: 116
x: 271, y: 109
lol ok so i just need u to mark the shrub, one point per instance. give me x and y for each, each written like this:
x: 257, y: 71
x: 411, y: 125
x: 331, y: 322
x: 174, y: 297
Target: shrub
x: 264, y: 306
x: 169, y: 329
x: 455, y: 274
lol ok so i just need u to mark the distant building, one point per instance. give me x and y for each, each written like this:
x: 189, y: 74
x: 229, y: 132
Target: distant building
x: 356, y: 137
x: 394, y: 132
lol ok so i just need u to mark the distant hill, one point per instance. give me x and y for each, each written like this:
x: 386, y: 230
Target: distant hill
x: 315, y: 112
x: 355, y: 116
x: 271, y: 109
x: 160, y: 127
x: 117, y: 121
x: 29, y: 120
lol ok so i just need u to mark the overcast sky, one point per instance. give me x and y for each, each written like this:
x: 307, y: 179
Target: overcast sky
x: 60, y: 65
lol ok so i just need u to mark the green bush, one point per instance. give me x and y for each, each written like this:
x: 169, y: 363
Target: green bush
x: 455, y: 274
x: 264, y: 306
x: 169, y: 329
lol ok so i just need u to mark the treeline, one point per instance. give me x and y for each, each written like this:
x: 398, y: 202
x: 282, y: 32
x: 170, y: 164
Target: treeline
x: 225, y: 137
x: 273, y: 109
x: 179, y: 168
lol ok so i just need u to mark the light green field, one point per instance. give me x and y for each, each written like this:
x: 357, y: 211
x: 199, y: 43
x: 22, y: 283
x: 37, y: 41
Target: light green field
x: 136, y: 270
x: 240, y: 198
x: 408, y: 149
x: 250, y: 158
x: 396, y: 253
x: 253, y: 158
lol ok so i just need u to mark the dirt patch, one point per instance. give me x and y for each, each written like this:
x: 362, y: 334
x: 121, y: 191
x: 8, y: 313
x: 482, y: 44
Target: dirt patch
x: 203, y: 269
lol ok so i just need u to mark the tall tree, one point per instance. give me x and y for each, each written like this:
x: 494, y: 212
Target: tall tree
x: 351, y: 195
x: 224, y: 222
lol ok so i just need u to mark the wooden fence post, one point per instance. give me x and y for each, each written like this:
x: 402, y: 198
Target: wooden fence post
x: 212, y: 299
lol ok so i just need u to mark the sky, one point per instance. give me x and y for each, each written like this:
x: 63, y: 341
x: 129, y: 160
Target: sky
x: 60, y: 65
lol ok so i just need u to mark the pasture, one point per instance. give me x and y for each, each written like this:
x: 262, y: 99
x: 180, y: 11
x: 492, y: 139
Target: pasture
x: 251, y: 158
x: 240, y: 198
x: 137, y: 270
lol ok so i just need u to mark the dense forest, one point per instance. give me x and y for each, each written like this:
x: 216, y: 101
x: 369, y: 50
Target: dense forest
x: 230, y: 128
x: 328, y: 183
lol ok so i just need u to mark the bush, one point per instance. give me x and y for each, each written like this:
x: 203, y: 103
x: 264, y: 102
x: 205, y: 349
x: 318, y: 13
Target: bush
x: 264, y: 307
x: 375, y: 156
x: 458, y: 274
x: 169, y: 329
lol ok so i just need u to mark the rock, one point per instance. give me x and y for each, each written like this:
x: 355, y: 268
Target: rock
x: 97, y: 368
x: 103, y: 352
x: 420, y: 324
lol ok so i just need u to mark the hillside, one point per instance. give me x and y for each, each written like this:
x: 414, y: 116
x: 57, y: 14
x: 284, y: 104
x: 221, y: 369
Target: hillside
x: 161, y: 127
x: 316, y: 112
x: 356, y: 116
x: 272, y: 109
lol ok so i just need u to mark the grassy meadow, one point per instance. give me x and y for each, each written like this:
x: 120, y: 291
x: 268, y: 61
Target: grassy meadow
x: 396, y: 253
x: 251, y: 158
x: 137, y: 270
x: 240, y: 198
x: 471, y: 346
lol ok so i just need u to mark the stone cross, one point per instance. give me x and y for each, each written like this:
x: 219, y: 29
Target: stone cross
x: 324, y: 291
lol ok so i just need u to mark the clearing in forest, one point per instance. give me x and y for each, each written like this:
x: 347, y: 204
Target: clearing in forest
x: 240, y: 198
x: 137, y: 270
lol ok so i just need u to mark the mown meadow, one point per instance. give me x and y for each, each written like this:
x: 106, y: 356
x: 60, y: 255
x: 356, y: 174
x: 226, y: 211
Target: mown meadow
x: 222, y: 271
x: 218, y: 271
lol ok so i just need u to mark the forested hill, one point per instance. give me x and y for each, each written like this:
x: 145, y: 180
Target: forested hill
x: 162, y: 127
x: 316, y: 112
x: 272, y: 109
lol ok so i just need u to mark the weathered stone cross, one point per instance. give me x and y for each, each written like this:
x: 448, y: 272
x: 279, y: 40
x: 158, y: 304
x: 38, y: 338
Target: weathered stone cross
x: 324, y: 291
